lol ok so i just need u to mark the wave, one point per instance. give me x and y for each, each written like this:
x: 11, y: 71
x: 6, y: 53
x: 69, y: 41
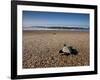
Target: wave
x: 62, y: 29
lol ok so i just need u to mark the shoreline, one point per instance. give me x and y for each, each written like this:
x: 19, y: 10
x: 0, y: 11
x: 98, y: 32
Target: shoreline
x: 61, y: 30
x: 54, y: 31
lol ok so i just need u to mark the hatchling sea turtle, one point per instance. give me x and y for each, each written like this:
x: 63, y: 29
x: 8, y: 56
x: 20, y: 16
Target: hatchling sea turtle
x: 67, y: 50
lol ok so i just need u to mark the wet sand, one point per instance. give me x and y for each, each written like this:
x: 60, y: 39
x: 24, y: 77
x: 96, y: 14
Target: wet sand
x: 41, y: 48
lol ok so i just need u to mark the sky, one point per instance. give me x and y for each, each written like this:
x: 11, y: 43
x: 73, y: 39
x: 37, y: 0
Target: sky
x: 36, y: 18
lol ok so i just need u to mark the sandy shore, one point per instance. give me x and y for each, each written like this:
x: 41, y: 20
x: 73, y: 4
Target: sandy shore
x: 41, y: 48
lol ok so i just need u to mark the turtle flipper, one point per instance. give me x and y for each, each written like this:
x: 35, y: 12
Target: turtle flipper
x: 72, y: 50
x: 60, y: 51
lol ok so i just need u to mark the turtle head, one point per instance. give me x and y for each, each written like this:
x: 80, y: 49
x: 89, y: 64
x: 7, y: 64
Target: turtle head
x: 65, y: 45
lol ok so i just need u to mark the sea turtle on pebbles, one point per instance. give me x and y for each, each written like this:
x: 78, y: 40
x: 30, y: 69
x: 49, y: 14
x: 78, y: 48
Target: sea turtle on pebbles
x: 68, y: 50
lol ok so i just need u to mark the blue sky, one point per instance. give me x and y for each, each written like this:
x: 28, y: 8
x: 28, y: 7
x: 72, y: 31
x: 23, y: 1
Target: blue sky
x: 34, y: 18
